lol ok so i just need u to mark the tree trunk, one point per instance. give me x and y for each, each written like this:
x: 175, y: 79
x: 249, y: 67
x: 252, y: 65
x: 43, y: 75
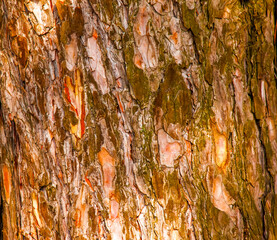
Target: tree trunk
x: 128, y: 119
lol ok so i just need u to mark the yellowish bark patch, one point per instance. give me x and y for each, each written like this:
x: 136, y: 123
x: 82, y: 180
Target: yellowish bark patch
x: 7, y: 182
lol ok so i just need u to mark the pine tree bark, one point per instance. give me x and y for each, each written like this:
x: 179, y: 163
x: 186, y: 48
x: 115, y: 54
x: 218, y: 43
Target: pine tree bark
x: 128, y: 119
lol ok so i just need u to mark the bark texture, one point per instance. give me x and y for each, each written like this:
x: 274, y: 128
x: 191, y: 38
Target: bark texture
x: 127, y: 119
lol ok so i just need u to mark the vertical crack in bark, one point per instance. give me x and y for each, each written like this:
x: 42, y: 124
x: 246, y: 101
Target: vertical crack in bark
x: 264, y: 161
x: 16, y: 183
x: 269, y: 183
x: 195, y: 47
x: 268, y: 178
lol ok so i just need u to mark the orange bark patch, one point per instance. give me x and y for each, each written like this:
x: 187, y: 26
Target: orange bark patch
x: 95, y: 35
x: 68, y: 88
x: 170, y: 149
x: 89, y: 183
x: 77, y: 218
x: 109, y: 174
x: 118, y: 83
x: 174, y: 37
x: 221, y: 148
x: 60, y: 175
x: 36, y: 210
x: 119, y: 103
x: 138, y: 61
x: 114, y: 208
x: 105, y: 157
x: 141, y: 21
x: 108, y: 167
x: 188, y: 147
x: 20, y: 48
x: 75, y: 96
x: 80, y: 213
x: 83, y: 115
x: 7, y: 182
x: 226, y: 13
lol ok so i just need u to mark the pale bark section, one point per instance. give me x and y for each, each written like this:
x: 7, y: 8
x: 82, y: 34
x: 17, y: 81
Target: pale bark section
x: 148, y: 119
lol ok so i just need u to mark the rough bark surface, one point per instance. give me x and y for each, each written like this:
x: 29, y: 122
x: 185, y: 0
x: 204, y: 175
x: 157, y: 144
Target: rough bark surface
x: 127, y: 119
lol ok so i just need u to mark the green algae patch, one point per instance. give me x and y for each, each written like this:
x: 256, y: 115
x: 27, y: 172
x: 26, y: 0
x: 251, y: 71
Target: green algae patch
x: 189, y: 19
x: 158, y: 182
x: 69, y: 118
x: 174, y: 98
x: 208, y: 73
x: 71, y: 22
x: 146, y: 137
x: 147, y: 171
x: 92, y: 220
x: 139, y: 82
x: 174, y: 198
x: 108, y: 8
x: 77, y: 22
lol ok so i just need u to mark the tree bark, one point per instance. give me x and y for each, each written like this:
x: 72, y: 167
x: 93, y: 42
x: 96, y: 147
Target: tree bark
x: 128, y: 119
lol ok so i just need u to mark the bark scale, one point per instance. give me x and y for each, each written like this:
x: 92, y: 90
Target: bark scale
x: 125, y: 119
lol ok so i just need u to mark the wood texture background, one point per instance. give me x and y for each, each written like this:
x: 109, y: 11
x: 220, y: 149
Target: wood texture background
x: 125, y: 119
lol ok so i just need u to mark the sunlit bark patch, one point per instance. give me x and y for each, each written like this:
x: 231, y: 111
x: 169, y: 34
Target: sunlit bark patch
x: 174, y: 37
x: 221, y: 149
x: 96, y: 64
x: 89, y: 183
x: 104, y: 157
x: 138, y: 61
x: 75, y: 96
x: 7, y: 182
x: 116, y: 230
x: 221, y: 197
x: 108, y: 167
x: 71, y: 50
x: 81, y: 216
x: 147, y: 50
x: 36, y: 210
x: 107, y: 163
x: 271, y: 129
x: 41, y: 17
x: 170, y: 150
x: 142, y: 20
x: 114, y: 208
x: 226, y: 13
